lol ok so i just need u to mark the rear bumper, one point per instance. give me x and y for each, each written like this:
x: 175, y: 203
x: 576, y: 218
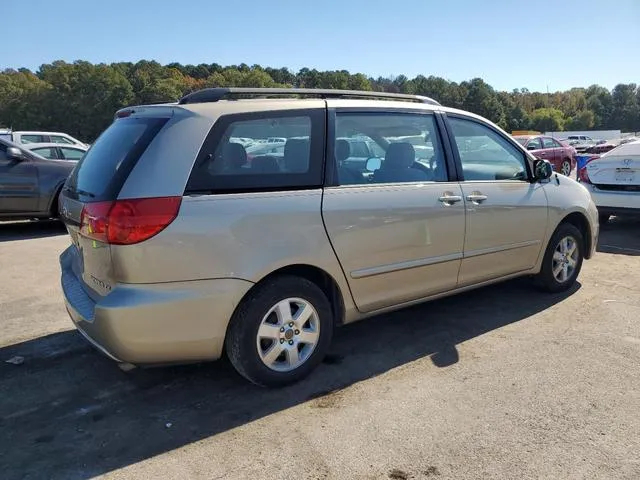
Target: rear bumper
x: 613, y: 201
x: 177, y: 322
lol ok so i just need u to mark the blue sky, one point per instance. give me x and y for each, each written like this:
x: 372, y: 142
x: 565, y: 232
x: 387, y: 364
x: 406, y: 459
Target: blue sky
x: 510, y: 44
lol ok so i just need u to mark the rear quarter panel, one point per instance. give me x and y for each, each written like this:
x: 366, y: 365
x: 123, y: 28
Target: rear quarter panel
x: 242, y: 236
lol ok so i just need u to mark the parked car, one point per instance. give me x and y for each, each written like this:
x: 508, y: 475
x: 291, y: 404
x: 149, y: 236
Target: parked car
x: 179, y: 254
x: 613, y: 179
x: 561, y: 156
x: 26, y: 137
x: 55, y: 151
x: 29, y: 184
x: 600, y: 148
x: 580, y: 142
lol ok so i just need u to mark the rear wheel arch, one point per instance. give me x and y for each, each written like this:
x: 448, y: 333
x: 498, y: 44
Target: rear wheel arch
x: 579, y: 220
x: 316, y: 275
x: 53, y: 203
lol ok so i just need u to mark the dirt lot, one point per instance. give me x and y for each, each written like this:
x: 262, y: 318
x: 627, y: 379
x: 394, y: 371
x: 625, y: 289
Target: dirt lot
x: 502, y: 382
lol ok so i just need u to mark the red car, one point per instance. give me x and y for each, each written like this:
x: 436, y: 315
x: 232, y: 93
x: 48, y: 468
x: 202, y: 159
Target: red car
x: 561, y: 156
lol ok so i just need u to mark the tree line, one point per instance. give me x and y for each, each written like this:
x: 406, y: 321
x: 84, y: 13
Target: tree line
x: 80, y: 98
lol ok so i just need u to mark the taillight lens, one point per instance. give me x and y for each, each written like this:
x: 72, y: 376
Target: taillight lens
x: 125, y: 222
x: 583, y: 176
x: 94, y: 220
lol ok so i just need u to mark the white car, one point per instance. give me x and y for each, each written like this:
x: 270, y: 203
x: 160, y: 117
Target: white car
x: 56, y: 151
x: 27, y: 137
x: 613, y: 179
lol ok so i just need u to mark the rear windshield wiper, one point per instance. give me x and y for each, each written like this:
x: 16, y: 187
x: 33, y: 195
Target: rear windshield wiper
x: 79, y: 191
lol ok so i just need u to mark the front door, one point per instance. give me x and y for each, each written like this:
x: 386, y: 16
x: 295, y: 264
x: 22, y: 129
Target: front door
x: 18, y: 184
x: 506, y: 217
x: 397, y: 227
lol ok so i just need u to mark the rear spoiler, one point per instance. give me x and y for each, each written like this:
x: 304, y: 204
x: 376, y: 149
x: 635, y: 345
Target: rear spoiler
x: 159, y: 110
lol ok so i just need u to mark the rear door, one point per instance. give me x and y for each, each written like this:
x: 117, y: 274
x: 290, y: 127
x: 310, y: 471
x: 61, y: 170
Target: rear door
x: 90, y: 191
x: 71, y: 153
x: 550, y: 147
x: 398, y: 231
x: 506, y: 214
x: 18, y: 184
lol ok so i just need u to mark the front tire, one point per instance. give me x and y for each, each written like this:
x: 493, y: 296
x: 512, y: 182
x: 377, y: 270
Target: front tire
x: 562, y: 260
x: 280, y: 332
x: 565, y: 168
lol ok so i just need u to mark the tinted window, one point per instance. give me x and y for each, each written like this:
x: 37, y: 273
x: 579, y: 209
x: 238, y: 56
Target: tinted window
x: 548, y: 142
x: 485, y: 154
x: 534, y: 144
x: 32, y: 139
x: 409, y: 143
x: 47, y: 152
x: 59, y: 139
x: 102, y: 171
x: 359, y: 149
x: 285, y: 151
x: 71, y: 153
x: 556, y: 144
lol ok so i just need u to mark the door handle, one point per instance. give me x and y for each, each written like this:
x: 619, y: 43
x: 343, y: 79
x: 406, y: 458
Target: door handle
x: 476, y: 198
x: 450, y: 199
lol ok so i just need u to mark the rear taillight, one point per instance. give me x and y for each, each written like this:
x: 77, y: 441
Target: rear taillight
x: 583, y: 176
x: 125, y: 222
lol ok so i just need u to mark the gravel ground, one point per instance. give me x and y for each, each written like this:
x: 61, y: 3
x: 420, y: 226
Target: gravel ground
x: 502, y: 382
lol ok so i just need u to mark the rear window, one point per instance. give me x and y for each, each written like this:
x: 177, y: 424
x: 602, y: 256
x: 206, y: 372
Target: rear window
x: 104, y: 168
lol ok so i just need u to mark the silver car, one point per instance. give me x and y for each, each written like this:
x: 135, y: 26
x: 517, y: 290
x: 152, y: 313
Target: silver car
x: 183, y: 248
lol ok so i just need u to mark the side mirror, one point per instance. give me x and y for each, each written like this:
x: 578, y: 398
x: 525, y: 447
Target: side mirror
x: 542, y: 169
x: 532, y: 146
x: 14, y: 153
x: 373, y: 164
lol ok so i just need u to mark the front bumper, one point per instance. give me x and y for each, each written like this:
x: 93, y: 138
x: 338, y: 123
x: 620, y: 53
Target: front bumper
x: 175, y: 322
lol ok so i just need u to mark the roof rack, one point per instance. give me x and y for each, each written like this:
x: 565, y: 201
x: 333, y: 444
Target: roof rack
x: 214, y: 94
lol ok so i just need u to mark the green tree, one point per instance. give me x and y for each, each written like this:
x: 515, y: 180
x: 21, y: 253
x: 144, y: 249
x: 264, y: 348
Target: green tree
x: 626, y: 111
x: 583, y: 120
x: 482, y: 99
x: 83, y: 97
x: 547, y: 120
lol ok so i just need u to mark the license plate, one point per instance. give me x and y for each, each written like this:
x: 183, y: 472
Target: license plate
x: 625, y: 175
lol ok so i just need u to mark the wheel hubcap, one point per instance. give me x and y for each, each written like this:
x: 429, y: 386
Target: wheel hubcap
x: 288, y: 334
x: 566, y: 169
x: 565, y: 259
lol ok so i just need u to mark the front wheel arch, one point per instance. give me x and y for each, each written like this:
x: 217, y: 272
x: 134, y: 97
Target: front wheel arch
x: 579, y: 220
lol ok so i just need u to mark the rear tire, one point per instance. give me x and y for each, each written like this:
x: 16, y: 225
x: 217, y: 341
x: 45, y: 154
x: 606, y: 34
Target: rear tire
x: 562, y: 260
x: 565, y: 168
x: 270, y: 351
x: 55, y: 205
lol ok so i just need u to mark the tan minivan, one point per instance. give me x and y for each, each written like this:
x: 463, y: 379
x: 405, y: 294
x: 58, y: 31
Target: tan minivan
x: 185, y: 246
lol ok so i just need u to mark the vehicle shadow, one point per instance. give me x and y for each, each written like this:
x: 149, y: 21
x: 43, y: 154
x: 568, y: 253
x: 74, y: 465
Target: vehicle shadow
x: 620, y: 236
x: 10, y: 231
x: 67, y: 412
